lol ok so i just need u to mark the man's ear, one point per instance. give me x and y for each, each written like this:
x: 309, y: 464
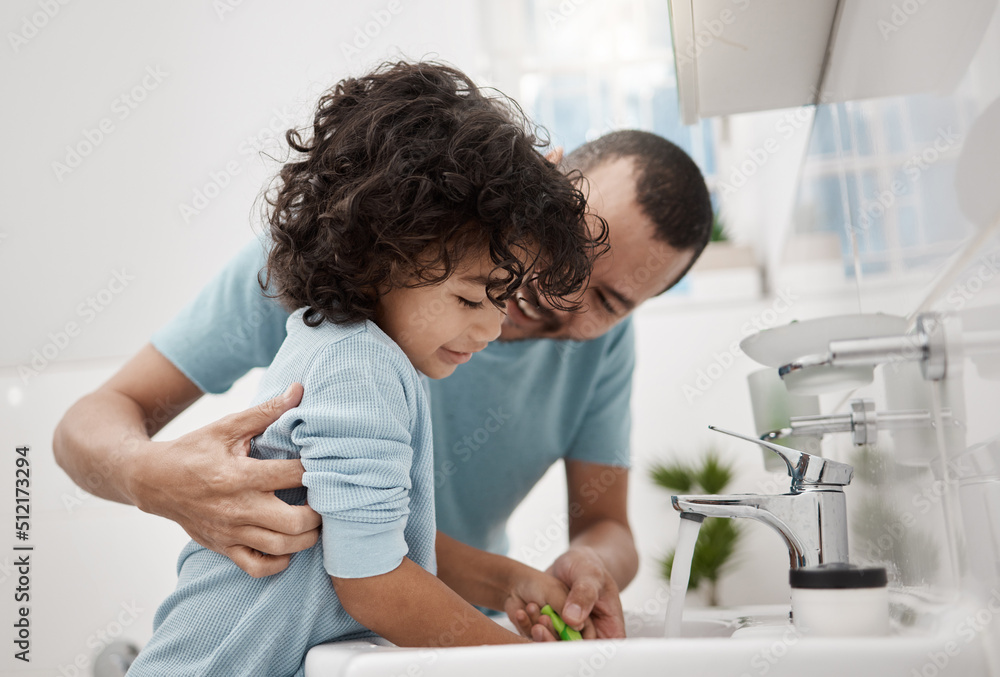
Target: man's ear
x: 555, y: 155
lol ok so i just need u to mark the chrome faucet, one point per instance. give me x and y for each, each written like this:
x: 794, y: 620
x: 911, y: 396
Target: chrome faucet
x: 811, y: 518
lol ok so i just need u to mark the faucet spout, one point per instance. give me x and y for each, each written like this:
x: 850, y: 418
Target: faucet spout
x: 811, y: 519
x: 812, y: 523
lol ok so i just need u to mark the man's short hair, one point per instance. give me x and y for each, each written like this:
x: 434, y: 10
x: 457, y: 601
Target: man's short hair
x: 670, y: 188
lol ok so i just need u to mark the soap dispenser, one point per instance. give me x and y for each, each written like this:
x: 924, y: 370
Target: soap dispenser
x: 840, y: 600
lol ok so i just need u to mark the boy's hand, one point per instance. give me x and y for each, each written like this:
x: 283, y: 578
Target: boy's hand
x: 224, y: 500
x: 531, y: 590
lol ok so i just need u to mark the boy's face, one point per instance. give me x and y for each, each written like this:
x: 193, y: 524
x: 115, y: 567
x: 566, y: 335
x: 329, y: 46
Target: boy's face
x: 440, y: 326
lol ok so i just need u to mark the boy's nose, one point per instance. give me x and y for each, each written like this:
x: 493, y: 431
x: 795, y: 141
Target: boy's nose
x: 488, y: 327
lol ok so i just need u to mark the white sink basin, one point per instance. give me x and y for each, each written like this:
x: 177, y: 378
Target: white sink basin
x: 726, y: 642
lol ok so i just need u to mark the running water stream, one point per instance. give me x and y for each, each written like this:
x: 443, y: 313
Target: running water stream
x: 680, y: 573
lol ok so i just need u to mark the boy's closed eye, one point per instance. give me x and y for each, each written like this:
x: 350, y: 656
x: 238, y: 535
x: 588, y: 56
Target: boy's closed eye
x: 474, y: 292
x: 471, y: 304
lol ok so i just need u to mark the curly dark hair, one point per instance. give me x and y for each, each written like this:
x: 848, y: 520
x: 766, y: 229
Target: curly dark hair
x: 406, y: 170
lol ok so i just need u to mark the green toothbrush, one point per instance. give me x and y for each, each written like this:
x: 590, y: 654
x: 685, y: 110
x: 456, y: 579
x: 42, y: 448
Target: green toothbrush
x: 564, y: 631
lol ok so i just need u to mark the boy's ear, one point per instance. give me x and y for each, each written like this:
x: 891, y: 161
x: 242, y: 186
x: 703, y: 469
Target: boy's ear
x: 555, y: 155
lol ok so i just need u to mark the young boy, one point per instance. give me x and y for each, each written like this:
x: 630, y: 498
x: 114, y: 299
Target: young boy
x: 414, y: 210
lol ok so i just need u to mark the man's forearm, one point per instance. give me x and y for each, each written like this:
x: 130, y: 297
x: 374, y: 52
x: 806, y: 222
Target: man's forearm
x: 96, y: 442
x: 613, y: 543
x: 102, y: 436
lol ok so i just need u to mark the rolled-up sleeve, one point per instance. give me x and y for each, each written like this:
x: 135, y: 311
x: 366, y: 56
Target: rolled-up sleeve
x: 354, y: 431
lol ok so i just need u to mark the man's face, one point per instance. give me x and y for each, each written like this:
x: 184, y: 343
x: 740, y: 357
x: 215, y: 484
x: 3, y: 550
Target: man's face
x: 635, y: 268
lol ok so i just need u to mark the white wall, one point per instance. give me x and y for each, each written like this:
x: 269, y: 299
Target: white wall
x: 215, y: 87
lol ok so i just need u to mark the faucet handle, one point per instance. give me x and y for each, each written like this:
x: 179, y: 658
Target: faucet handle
x: 804, y: 469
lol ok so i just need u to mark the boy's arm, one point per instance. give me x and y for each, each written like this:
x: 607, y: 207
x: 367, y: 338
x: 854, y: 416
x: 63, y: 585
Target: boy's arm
x: 372, y: 480
x: 411, y: 607
x: 203, y: 480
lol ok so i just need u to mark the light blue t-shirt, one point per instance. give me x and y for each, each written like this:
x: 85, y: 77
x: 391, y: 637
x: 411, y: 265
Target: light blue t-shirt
x: 500, y: 421
x: 363, y: 434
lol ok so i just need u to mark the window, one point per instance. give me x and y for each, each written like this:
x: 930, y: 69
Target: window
x: 584, y: 68
x: 879, y: 174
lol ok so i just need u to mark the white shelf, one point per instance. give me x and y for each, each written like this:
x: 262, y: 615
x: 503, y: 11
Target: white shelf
x: 738, y: 56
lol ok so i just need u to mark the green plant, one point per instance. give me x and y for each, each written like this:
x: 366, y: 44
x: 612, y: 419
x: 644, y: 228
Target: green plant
x: 718, y: 538
x: 718, y: 230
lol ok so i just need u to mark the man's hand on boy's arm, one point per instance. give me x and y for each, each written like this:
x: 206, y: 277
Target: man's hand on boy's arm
x: 411, y: 607
x: 224, y: 500
x: 203, y: 480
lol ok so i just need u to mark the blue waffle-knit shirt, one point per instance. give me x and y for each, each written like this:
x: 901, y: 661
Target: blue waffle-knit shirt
x: 363, y: 433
